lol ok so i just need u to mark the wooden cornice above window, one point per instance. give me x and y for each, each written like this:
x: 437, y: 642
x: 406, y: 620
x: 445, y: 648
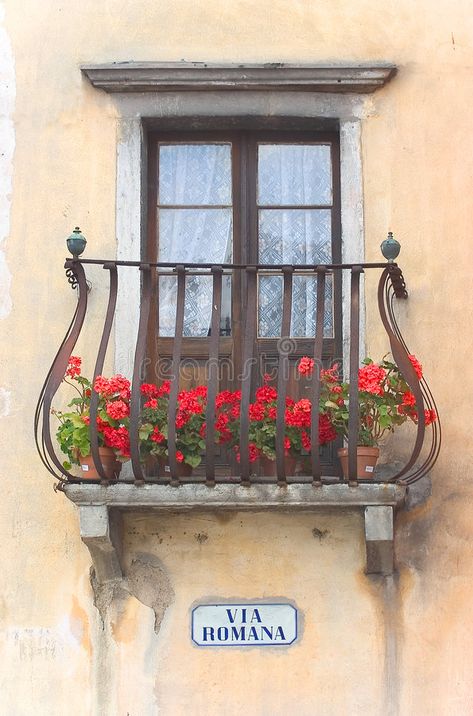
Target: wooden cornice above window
x: 202, y: 76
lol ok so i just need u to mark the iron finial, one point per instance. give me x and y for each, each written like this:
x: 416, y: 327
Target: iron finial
x: 390, y: 248
x: 76, y: 242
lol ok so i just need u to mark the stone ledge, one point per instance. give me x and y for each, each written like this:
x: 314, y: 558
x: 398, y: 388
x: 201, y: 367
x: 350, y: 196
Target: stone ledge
x: 235, y: 497
x: 202, y: 76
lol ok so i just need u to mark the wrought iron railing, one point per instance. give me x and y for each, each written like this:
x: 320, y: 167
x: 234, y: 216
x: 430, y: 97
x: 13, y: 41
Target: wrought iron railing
x: 391, y: 286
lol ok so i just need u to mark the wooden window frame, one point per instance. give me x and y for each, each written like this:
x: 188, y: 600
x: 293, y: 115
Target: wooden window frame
x: 245, y: 246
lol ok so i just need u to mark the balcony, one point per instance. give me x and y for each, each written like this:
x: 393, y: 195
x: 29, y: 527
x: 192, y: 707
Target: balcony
x: 222, y: 482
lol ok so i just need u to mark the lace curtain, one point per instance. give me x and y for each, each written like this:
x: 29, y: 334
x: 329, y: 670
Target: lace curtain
x: 197, y: 176
x: 297, y: 176
x: 195, y: 226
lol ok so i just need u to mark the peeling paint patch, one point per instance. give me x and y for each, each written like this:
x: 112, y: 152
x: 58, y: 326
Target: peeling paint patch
x: 79, y: 625
x: 7, y: 144
x: 125, y: 626
x: 149, y: 582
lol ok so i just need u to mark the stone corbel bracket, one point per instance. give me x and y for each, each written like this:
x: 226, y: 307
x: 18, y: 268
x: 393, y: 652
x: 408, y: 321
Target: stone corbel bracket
x: 101, y: 507
x: 379, y: 536
x: 100, y: 530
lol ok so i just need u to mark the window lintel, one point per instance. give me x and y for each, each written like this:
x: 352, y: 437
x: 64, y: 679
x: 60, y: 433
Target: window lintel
x: 202, y: 76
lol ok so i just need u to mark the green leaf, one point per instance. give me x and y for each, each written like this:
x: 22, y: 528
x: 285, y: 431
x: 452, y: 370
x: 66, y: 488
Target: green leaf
x: 330, y: 404
x: 193, y: 460
x: 145, y: 431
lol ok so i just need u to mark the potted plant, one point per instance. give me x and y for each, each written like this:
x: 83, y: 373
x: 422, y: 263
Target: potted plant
x: 112, y: 422
x: 190, y: 425
x: 262, y: 427
x: 385, y: 401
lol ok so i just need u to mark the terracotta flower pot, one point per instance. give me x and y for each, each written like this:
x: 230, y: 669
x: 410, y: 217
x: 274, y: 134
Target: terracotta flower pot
x: 110, y: 464
x: 268, y: 467
x: 366, y: 458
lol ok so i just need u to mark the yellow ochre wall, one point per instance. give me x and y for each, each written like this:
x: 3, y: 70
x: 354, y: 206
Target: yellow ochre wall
x: 370, y: 646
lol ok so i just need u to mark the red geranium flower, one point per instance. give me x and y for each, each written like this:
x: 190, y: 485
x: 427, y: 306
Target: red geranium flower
x: 370, y: 378
x: 73, y: 366
x: 416, y: 365
x: 430, y: 416
x: 256, y: 411
x: 408, y: 398
x: 330, y: 375
x: 327, y: 432
x: 266, y: 394
x: 149, y: 389
x: 157, y: 436
x: 306, y: 366
x: 119, y: 439
x: 117, y: 409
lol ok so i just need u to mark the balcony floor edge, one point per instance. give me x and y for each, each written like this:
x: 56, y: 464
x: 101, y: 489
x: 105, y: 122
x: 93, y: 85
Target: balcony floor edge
x: 255, y: 497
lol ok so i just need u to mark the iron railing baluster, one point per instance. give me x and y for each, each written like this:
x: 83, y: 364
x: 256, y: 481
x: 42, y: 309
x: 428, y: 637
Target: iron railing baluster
x: 354, y: 408
x: 140, y: 350
x: 94, y: 398
x: 284, y: 348
x: 318, y: 346
x: 176, y: 369
x: 213, y: 372
x: 247, y: 369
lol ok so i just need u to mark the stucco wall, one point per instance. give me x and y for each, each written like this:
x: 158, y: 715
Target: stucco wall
x: 371, y: 646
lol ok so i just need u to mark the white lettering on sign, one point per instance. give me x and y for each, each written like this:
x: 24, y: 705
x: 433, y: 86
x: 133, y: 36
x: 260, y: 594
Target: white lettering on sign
x: 244, y: 624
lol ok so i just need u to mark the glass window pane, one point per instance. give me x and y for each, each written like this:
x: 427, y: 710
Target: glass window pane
x: 295, y: 236
x: 195, y: 174
x: 304, y: 307
x: 197, y: 306
x: 294, y: 174
x: 194, y: 236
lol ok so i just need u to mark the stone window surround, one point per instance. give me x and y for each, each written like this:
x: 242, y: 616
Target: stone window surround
x: 159, y: 95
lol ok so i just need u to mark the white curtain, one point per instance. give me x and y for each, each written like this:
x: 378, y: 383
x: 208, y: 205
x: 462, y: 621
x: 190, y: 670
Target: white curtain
x: 193, y: 174
x: 295, y: 175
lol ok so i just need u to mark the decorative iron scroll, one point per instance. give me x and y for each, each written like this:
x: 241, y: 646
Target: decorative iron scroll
x: 71, y: 276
